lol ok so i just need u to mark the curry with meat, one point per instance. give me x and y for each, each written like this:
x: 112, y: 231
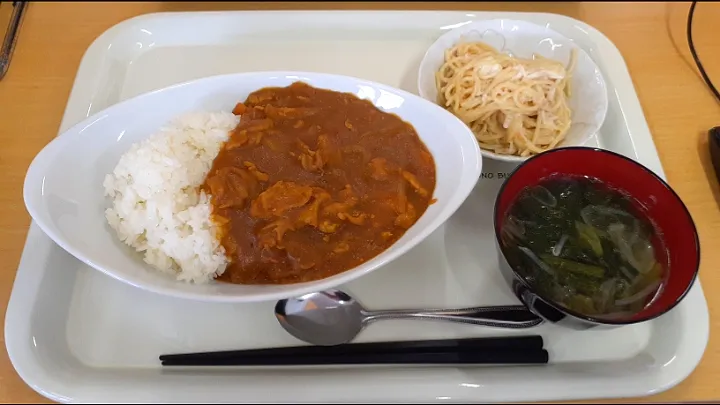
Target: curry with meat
x: 314, y: 182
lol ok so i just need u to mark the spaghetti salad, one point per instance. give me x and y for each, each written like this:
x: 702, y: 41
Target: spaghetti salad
x: 514, y: 106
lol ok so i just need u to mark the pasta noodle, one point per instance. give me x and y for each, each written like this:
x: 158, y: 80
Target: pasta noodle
x: 514, y: 106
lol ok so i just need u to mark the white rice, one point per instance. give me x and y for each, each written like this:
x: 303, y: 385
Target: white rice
x: 157, y: 207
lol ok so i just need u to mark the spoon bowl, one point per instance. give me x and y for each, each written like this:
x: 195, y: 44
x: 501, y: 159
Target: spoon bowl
x: 323, y: 318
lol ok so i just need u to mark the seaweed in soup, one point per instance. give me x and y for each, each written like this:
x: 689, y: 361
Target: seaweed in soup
x: 585, y: 246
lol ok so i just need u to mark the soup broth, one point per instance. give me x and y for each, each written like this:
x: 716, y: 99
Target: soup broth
x: 585, y: 246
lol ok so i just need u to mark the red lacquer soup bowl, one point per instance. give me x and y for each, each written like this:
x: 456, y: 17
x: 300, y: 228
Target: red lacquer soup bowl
x: 658, y: 201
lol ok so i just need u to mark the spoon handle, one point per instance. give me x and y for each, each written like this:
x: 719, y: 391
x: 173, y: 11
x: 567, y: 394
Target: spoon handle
x: 511, y: 316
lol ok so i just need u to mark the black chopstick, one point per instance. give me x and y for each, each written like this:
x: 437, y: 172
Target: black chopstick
x: 532, y: 344
x: 512, y: 342
x: 483, y: 356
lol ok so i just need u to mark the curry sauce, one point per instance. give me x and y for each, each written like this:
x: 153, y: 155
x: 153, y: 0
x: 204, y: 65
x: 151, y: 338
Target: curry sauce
x: 314, y: 182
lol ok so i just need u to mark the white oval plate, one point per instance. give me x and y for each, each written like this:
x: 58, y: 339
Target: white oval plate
x: 589, y: 98
x: 63, y: 188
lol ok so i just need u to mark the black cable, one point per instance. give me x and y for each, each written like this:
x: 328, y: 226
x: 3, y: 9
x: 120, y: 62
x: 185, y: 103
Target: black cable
x: 713, y: 133
x: 691, y: 45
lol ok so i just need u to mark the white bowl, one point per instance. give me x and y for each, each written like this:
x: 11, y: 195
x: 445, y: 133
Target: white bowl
x: 589, y: 98
x: 63, y: 188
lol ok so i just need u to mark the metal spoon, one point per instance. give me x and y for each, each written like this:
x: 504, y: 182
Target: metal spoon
x: 333, y: 317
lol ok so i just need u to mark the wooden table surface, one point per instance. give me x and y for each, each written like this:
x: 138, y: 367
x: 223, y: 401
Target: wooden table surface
x: 651, y: 38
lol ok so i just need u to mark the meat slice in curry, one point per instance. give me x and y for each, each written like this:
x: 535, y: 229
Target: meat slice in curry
x: 314, y: 182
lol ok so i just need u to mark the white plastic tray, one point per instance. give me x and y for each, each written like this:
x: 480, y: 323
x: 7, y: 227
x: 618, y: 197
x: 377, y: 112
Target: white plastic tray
x: 75, y: 335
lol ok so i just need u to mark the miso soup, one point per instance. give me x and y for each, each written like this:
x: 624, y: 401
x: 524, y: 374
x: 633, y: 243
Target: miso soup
x: 585, y: 246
